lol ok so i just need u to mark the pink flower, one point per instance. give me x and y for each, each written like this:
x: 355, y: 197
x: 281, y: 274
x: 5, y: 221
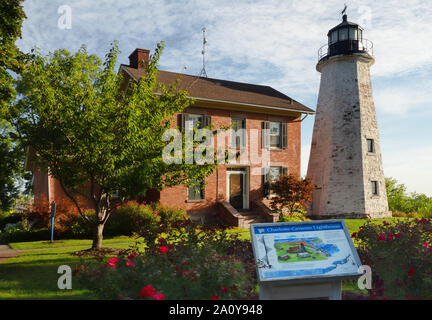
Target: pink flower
x: 147, y: 291
x: 163, y: 249
x: 130, y: 263
x: 224, y: 289
x: 214, y: 298
x: 398, y: 235
x: 159, y: 296
x: 411, y: 271
x: 425, y: 244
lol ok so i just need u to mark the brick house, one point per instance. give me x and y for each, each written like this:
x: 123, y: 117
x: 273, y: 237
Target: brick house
x: 236, y: 193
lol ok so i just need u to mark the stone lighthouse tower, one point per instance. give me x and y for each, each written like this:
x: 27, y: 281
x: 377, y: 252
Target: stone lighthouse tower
x: 345, y: 159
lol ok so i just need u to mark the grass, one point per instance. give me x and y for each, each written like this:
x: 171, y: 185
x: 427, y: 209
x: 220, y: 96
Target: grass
x: 67, y: 243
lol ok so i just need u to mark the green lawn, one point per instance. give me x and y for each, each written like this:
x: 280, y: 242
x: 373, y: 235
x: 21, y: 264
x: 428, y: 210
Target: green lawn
x: 33, y: 274
x: 67, y: 243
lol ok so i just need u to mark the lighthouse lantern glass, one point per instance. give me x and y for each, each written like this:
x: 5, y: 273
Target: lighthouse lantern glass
x: 334, y: 37
x: 343, y: 34
x: 353, y: 34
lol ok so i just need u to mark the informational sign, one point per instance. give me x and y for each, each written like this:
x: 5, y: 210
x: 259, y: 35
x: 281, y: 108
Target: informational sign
x: 308, y: 249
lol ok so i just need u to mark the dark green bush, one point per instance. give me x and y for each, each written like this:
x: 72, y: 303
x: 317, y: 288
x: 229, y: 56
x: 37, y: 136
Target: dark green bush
x: 25, y: 235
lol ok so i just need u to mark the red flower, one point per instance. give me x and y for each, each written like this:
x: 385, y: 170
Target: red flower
x: 186, y: 263
x: 130, y: 263
x: 132, y: 255
x: 163, y: 249
x: 381, y: 237
x: 161, y: 240
x: 159, y: 296
x: 112, y: 262
x: 224, y: 289
x: 214, y: 298
x: 411, y: 271
x: 148, y: 291
x: 397, y: 235
x: 423, y: 220
x: 354, y: 234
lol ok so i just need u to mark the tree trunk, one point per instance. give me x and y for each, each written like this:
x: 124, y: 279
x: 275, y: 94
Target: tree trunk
x: 98, y: 236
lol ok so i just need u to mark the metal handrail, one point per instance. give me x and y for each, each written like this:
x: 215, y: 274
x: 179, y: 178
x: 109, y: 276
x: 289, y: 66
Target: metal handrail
x: 364, y: 45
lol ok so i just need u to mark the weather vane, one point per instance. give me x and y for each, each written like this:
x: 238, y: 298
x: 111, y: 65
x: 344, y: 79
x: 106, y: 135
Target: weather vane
x: 344, y: 9
x: 203, y: 72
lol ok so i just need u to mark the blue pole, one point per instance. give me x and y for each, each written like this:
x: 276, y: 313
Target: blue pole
x: 53, y: 213
x: 52, y: 229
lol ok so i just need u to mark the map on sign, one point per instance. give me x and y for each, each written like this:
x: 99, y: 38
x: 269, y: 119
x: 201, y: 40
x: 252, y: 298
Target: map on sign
x: 286, y: 251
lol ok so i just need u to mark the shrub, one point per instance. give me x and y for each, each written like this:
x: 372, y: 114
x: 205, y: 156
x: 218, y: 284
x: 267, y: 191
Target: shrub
x: 400, y: 256
x: 20, y: 235
x: 294, y: 217
x: 8, y: 219
x: 291, y: 195
x: 190, y: 263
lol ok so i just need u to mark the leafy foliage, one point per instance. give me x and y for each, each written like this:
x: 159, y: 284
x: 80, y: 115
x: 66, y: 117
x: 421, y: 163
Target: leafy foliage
x: 291, y: 194
x: 400, y: 256
x: 404, y: 204
x: 98, y: 133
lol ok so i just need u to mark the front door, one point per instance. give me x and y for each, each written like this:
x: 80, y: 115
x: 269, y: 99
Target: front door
x: 237, y: 191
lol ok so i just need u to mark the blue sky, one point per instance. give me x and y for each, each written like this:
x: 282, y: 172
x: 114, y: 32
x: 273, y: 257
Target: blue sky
x: 271, y: 43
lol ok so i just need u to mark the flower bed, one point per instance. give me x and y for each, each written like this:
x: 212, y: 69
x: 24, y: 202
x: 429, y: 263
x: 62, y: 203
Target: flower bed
x: 400, y: 256
x: 189, y: 263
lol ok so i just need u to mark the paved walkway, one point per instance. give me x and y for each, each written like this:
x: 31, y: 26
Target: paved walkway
x: 7, y: 252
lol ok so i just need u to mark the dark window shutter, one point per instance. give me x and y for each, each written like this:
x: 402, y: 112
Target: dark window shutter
x: 207, y: 122
x: 183, y: 118
x: 243, y: 142
x: 266, y: 135
x: 266, y: 181
x: 283, y: 170
x: 284, y: 136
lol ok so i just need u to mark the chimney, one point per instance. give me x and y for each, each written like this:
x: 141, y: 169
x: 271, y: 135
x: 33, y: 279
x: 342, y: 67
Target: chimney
x: 137, y: 56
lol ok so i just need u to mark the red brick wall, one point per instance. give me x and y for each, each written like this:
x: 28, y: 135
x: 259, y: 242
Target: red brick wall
x: 215, y: 189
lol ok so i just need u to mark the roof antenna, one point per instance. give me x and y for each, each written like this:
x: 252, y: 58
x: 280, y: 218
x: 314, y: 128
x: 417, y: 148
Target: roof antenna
x: 203, y: 72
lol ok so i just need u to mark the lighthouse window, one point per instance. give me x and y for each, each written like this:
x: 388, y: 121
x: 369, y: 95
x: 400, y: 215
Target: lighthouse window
x: 343, y: 34
x: 374, y: 188
x: 370, y: 146
x: 334, y: 37
x: 353, y: 34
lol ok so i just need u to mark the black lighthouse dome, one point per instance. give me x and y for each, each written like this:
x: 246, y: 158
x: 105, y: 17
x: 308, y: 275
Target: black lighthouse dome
x: 345, y: 38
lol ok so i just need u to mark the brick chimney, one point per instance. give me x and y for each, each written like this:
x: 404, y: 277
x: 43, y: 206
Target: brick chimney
x: 137, y: 56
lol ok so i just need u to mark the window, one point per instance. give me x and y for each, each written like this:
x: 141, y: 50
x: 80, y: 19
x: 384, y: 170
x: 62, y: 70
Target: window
x: 198, y: 121
x: 272, y: 174
x: 343, y: 34
x: 334, y: 37
x: 370, y: 146
x: 353, y: 33
x: 274, y: 135
x: 196, y: 190
x: 375, y: 190
x: 238, y: 139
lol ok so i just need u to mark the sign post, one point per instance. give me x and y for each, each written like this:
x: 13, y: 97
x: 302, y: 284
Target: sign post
x: 53, y: 213
x: 303, y: 260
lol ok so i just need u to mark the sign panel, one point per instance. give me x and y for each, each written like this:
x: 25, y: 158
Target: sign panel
x: 308, y: 249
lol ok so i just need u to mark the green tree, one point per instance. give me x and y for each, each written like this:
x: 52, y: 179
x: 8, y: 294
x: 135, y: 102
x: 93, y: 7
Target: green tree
x: 11, y: 61
x: 97, y: 134
x: 11, y: 18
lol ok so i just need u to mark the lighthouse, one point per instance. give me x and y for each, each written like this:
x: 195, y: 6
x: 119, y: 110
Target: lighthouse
x: 345, y: 161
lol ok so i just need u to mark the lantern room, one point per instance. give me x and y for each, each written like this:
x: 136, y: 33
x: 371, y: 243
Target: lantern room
x: 345, y: 38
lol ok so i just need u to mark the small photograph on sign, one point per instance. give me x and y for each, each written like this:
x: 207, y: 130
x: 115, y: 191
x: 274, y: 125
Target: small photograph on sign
x: 286, y: 251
